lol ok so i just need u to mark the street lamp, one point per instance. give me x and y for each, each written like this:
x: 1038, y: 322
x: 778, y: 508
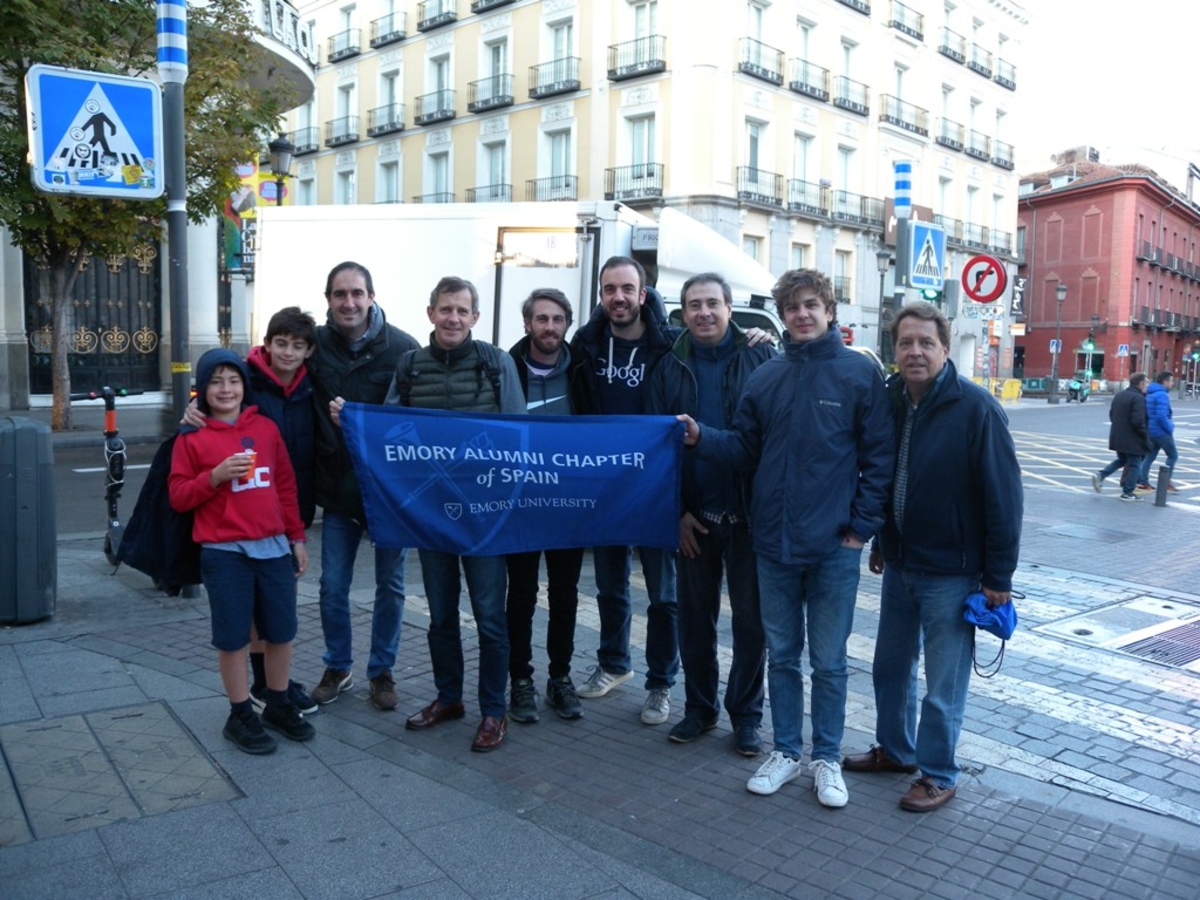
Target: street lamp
x: 281, y: 150
x: 883, y: 259
x: 1061, y: 295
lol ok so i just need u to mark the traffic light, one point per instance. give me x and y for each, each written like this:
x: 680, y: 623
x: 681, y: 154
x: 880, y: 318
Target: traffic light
x: 1196, y: 356
x: 1090, y: 344
x: 933, y: 295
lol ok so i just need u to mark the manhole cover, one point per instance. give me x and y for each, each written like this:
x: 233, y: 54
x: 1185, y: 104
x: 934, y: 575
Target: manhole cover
x: 1175, y: 647
x: 1151, y: 628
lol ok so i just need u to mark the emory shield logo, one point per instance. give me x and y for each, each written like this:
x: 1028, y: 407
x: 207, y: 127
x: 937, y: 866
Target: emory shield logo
x: 453, y: 510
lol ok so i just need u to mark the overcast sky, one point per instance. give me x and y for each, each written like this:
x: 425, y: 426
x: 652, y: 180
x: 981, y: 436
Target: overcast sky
x: 1118, y: 75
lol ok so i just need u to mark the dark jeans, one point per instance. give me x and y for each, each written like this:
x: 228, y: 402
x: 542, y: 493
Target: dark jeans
x: 616, y: 613
x: 725, y: 547
x: 485, y: 586
x: 1131, y: 472
x: 562, y: 574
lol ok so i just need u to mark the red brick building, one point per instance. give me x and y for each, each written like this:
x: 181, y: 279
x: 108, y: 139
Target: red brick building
x: 1124, y: 242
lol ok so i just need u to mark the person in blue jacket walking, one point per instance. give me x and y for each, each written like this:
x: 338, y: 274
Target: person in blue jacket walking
x: 1161, y: 425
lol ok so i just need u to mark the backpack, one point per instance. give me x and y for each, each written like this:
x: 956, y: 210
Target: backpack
x: 489, y: 365
x: 157, y: 539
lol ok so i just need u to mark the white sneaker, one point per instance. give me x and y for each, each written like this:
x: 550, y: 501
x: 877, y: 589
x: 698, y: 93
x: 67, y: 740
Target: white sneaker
x: 828, y: 783
x: 777, y: 771
x: 657, y: 708
x: 600, y: 683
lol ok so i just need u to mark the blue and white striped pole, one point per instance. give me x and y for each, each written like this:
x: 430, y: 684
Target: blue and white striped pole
x: 173, y: 71
x: 903, y: 201
x: 902, y: 204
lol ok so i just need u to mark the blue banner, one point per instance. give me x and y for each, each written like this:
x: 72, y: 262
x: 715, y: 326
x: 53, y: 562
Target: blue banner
x: 486, y: 484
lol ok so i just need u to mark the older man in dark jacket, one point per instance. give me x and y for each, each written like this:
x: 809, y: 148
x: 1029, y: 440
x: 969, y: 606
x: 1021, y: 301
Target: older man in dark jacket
x: 953, y: 527
x: 1128, y: 437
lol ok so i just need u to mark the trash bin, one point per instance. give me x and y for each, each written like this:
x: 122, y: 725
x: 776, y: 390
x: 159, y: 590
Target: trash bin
x: 28, y: 542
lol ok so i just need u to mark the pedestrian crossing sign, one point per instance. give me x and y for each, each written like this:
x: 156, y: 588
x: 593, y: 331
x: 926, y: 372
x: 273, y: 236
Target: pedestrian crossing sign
x: 927, y: 255
x: 94, y: 135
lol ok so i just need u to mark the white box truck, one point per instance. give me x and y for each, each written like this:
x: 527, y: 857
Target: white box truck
x: 505, y: 249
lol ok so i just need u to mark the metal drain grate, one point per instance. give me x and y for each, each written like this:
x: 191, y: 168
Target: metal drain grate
x: 1175, y: 647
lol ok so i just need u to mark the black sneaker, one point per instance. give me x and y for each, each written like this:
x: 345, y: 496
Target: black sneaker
x: 287, y: 721
x: 561, y: 697
x: 689, y: 728
x: 523, y: 704
x: 245, y: 730
x: 296, y: 693
x: 746, y: 740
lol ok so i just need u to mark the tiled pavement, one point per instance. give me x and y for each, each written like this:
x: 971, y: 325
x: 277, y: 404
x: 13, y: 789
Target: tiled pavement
x: 1082, y: 761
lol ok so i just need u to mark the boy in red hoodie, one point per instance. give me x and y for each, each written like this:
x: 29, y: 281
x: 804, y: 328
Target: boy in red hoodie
x: 235, y: 475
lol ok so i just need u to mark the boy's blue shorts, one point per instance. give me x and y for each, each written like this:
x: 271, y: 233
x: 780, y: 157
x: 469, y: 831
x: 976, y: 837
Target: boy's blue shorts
x: 241, y: 589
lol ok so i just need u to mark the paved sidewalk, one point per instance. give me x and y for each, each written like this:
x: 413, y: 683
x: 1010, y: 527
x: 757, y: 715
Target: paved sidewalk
x: 1081, y: 780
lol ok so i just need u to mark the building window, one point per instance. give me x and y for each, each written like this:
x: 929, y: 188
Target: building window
x: 641, y: 135
x: 801, y: 151
x: 799, y: 257
x: 945, y: 201
x: 754, y: 20
x: 754, y: 131
x: 645, y: 18
x: 751, y: 245
x: 387, y: 186
x: 437, y: 173
x: 345, y: 101
x: 346, y: 188
x: 562, y: 39
x: 306, y: 192
x: 562, y: 159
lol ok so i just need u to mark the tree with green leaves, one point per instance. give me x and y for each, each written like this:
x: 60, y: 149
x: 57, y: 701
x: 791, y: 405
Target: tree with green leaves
x: 231, y: 104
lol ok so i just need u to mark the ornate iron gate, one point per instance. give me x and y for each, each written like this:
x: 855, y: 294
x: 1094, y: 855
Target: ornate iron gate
x: 114, y: 323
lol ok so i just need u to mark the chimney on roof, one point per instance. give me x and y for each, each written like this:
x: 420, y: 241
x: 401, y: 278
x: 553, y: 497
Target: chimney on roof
x: 1077, y: 155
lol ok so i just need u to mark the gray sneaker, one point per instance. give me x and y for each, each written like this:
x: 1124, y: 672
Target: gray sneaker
x: 1096, y: 481
x: 333, y: 682
x: 523, y: 702
x: 601, y: 682
x: 657, y: 708
x: 562, y: 698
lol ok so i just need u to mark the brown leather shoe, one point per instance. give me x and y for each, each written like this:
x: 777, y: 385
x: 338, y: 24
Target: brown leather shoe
x: 1171, y: 487
x: 925, y: 795
x: 434, y: 713
x: 490, y: 734
x: 874, y: 760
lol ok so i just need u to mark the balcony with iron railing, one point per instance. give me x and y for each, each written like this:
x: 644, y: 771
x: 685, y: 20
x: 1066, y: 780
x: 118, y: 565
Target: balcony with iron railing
x: 952, y: 226
x: 979, y: 145
x: 387, y: 29
x: 489, y: 93
x: 857, y: 209
x: 433, y: 14
x: 976, y: 236
x: 757, y: 59
x: 851, y: 95
x: 642, y: 56
x: 559, y: 76
x: 757, y: 186
x: 953, y: 45
x: 1002, y: 155
x: 858, y: 6
x: 907, y: 21
x: 1002, y: 241
x: 553, y: 187
x: 438, y: 197
x: 343, y: 130
x: 305, y: 140
x: 904, y: 115
x: 643, y: 181
x: 805, y: 197
x: 490, y: 193
x: 478, y: 6
x: 809, y: 79
x: 950, y: 134
x: 980, y: 61
x: 1006, y: 74
x: 344, y: 44
x: 435, y: 107
x: 385, y: 119
x: 841, y: 288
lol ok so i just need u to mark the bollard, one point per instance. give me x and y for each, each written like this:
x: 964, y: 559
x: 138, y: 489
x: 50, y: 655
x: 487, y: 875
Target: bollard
x: 28, y: 539
x: 1160, y: 486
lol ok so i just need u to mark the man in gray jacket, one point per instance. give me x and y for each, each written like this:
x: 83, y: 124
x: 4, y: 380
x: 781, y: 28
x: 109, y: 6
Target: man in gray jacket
x: 545, y: 366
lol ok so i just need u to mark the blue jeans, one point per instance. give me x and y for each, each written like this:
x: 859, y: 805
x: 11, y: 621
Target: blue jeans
x: 340, y: 538
x: 487, y: 581
x: 1166, y: 443
x: 729, y: 548
x: 616, y: 613
x: 917, y: 609
x: 817, y: 598
x: 1131, y: 470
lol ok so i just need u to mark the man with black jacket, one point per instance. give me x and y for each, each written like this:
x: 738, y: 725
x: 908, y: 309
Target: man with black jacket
x: 703, y: 376
x: 545, y: 366
x: 616, y: 350
x: 953, y: 527
x: 355, y: 359
x: 1128, y: 437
